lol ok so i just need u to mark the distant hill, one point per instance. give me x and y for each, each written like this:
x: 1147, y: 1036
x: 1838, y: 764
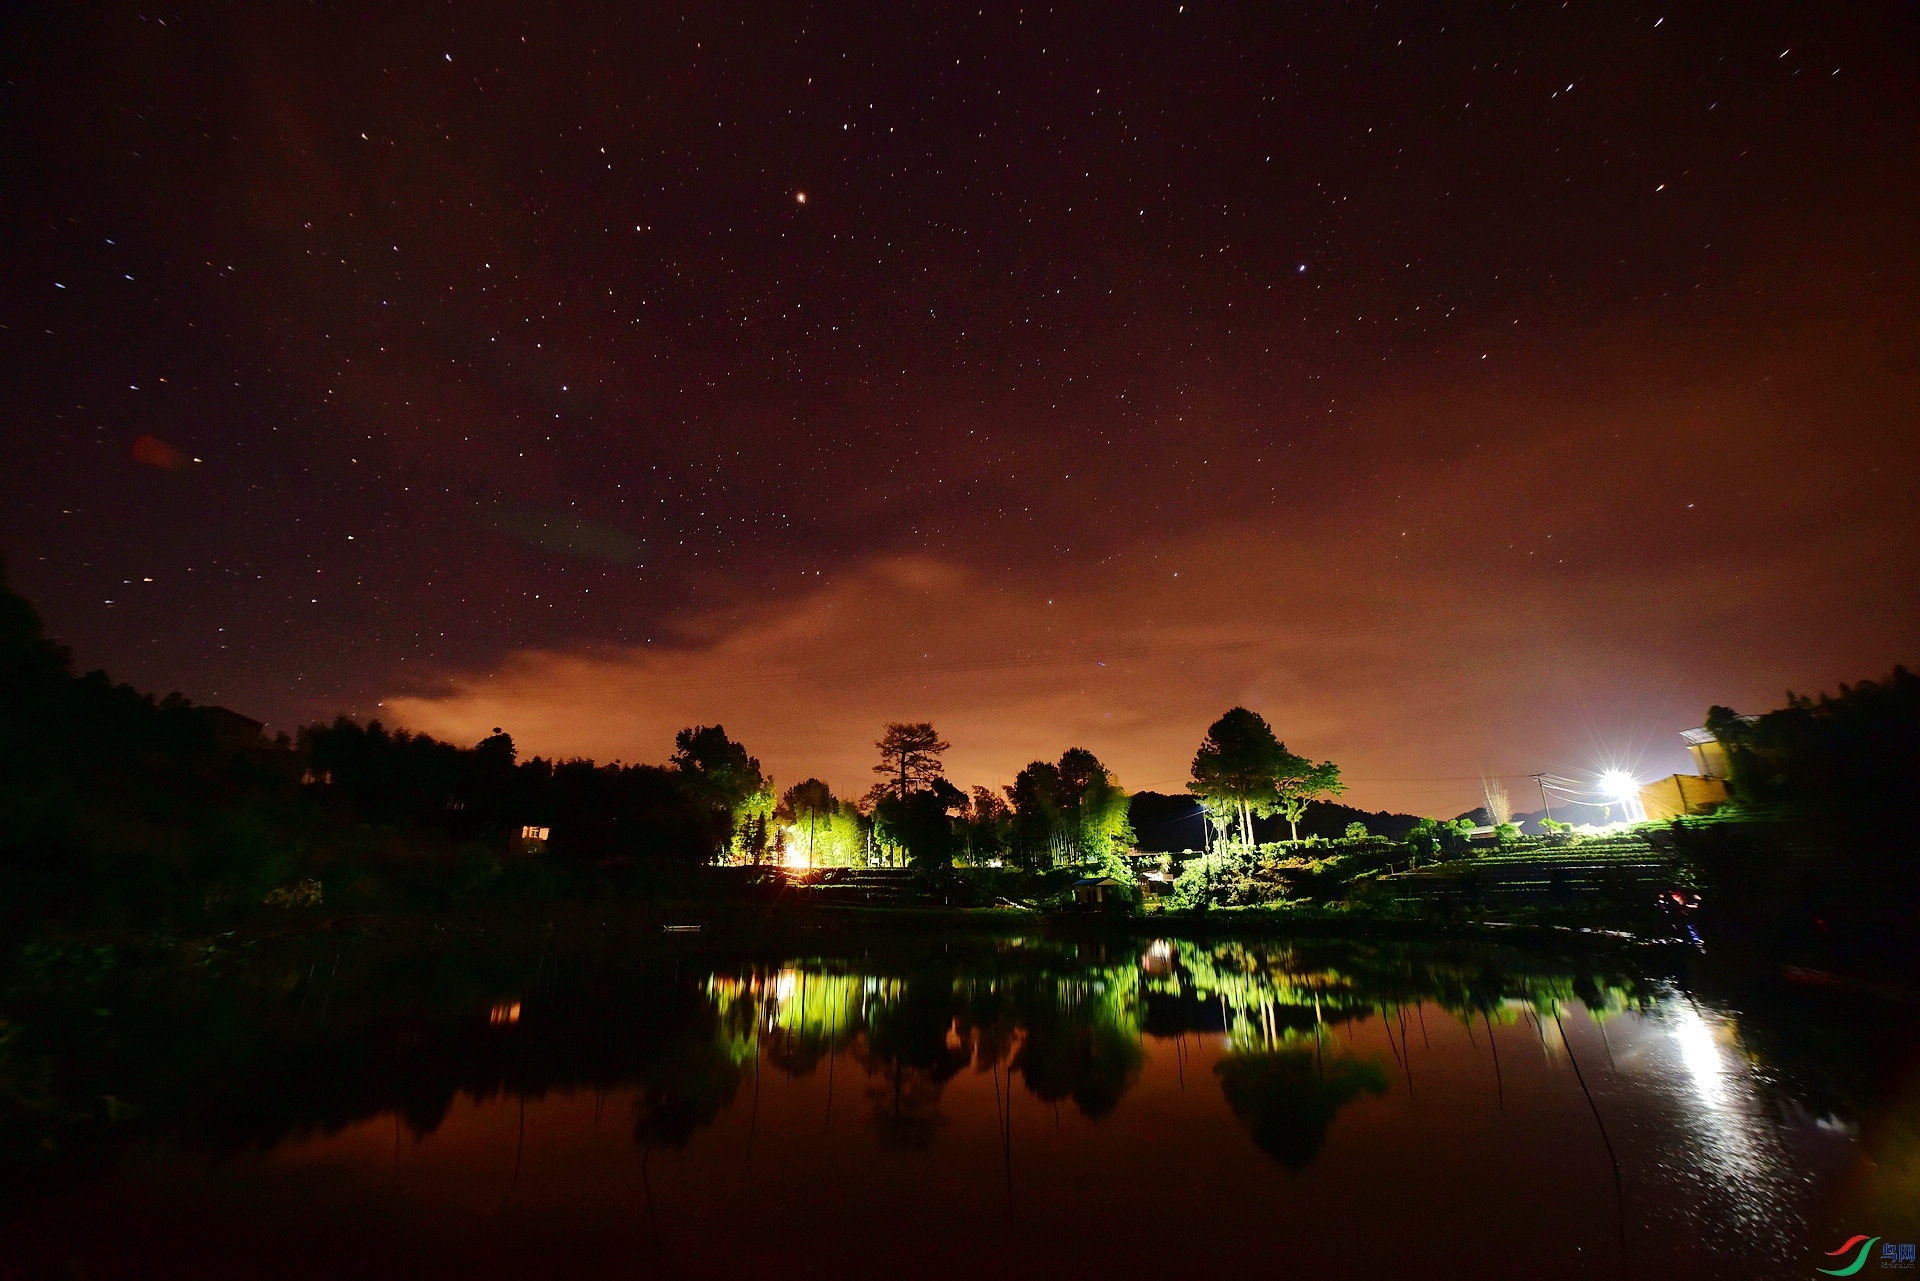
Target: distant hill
x: 1167, y: 824
x: 1564, y: 812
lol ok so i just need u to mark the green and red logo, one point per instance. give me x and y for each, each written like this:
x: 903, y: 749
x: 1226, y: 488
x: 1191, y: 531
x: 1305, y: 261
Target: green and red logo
x: 1859, y: 1260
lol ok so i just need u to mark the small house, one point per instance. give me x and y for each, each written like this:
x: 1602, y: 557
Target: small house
x: 1709, y: 755
x: 1160, y: 883
x: 1092, y: 891
x: 533, y: 839
x: 1680, y: 794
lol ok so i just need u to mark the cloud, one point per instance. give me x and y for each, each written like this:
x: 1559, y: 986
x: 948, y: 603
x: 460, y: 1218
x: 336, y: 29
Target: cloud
x: 1413, y: 687
x: 1556, y: 573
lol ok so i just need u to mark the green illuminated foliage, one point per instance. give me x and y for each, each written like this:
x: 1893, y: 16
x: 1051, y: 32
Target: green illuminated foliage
x: 1300, y: 783
x: 1238, y: 767
x: 717, y: 771
x: 1072, y: 811
x: 1242, y: 767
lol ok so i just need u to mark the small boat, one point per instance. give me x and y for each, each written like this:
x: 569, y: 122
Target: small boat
x: 682, y: 929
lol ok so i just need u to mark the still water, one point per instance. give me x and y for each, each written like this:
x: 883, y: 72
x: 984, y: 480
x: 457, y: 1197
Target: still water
x: 959, y: 1106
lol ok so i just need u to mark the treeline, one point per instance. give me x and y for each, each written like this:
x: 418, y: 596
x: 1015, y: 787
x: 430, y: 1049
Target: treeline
x: 110, y: 794
x: 1850, y: 759
x: 1165, y: 823
x: 712, y: 802
x: 112, y: 797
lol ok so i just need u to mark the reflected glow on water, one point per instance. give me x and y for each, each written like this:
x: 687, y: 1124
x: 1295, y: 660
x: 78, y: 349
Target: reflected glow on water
x: 1158, y: 1105
x: 1700, y: 1052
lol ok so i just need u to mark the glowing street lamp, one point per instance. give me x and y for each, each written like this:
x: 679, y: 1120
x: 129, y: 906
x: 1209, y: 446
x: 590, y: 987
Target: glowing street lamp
x: 1620, y: 785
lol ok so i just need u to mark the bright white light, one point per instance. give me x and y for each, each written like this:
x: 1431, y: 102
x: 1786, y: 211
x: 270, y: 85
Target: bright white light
x: 1619, y: 784
x: 1701, y: 1055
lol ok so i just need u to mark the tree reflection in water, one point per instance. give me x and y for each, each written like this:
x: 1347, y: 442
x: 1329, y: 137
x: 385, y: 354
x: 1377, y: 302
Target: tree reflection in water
x: 1287, y: 1101
x: 233, y: 1056
x: 302, y: 1052
x: 1073, y: 1023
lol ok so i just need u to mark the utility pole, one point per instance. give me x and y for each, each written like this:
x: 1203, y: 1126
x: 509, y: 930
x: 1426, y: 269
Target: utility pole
x: 1541, y: 779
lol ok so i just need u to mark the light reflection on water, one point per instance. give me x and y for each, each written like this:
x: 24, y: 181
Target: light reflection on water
x: 1726, y: 1166
x: 1700, y: 1052
x: 1170, y: 1106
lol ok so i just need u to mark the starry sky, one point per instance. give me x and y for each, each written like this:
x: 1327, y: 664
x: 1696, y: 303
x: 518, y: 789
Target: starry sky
x: 1472, y: 390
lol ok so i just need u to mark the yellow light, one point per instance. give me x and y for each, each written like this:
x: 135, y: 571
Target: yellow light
x: 796, y: 852
x: 799, y: 197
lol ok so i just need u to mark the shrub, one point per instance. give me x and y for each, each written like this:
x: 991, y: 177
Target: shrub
x: 1206, y: 881
x: 294, y: 894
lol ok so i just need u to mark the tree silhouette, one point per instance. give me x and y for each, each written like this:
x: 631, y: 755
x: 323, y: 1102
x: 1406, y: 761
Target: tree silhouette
x: 988, y: 824
x: 717, y: 771
x: 1287, y: 1105
x: 1038, y: 814
x: 909, y: 757
x: 920, y: 823
x: 1239, y: 765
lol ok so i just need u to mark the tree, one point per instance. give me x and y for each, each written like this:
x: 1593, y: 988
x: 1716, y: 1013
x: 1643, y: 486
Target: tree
x: 1038, y: 828
x: 1238, y: 767
x: 1424, y: 839
x: 920, y: 824
x: 1850, y: 758
x: 717, y: 771
x: 988, y: 825
x: 1096, y: 805
x: 909, y: 757
x: 1301, y: 782
x: 1068, y: 812
x: 812, y: 804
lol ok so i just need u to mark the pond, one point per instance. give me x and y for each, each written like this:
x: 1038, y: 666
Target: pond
x: 947, y: 1105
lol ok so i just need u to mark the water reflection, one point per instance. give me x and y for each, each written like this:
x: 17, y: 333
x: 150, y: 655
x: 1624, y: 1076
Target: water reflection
x: 1700, y: 1052
x: 1074, y: 1027
x: 1287, y: 1099
x: 1296, y: 1093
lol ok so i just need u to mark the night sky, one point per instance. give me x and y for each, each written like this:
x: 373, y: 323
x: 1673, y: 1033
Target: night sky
x: 1470, y: 389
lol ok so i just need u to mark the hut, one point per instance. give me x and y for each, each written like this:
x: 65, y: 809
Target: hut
x: 1092, y: 891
